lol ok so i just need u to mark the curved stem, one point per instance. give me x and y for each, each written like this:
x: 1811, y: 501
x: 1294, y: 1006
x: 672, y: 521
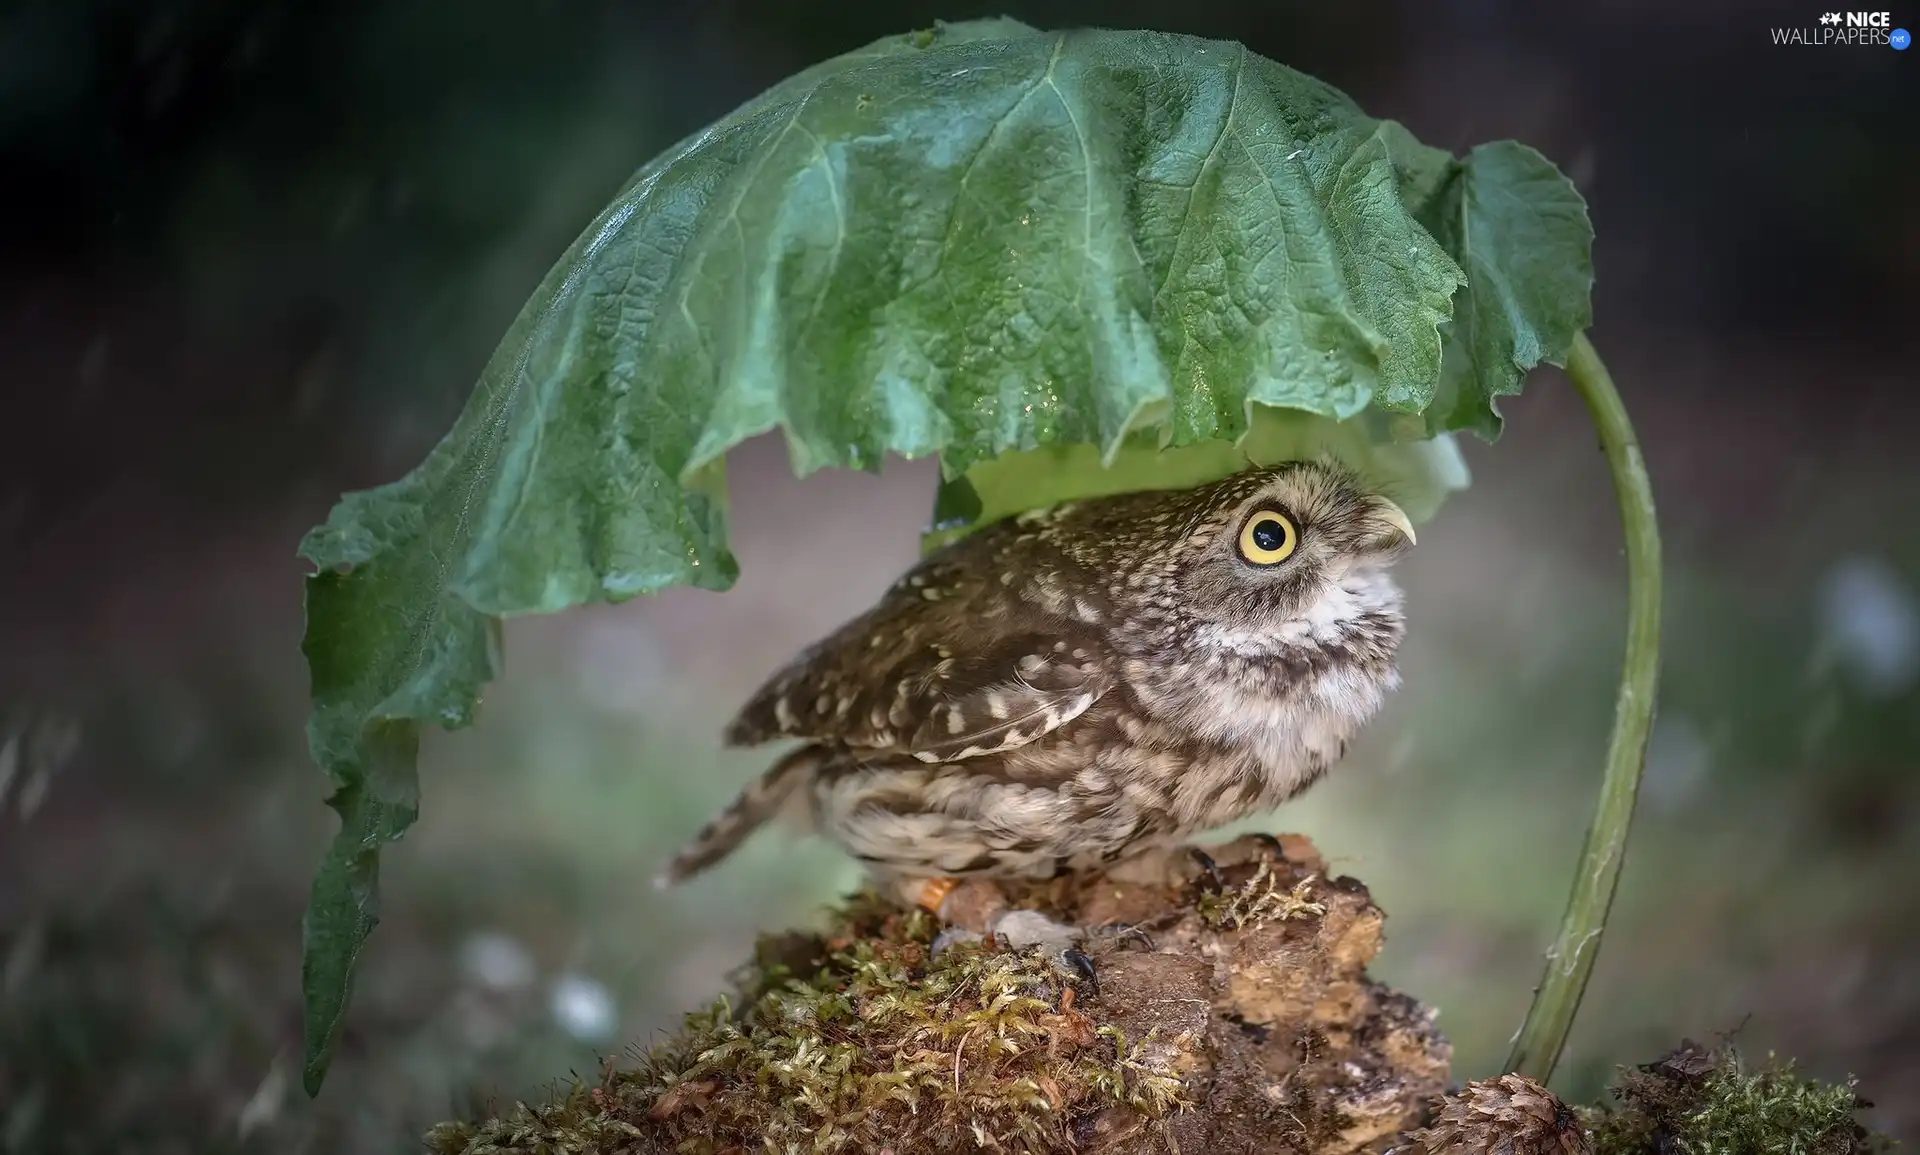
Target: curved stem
x: 1536, y: 1049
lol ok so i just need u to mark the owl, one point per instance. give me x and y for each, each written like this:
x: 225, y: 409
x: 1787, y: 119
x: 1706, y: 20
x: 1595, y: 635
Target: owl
x: 1083, y: 688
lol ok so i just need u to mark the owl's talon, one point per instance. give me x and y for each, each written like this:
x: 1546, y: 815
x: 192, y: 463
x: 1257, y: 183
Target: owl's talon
x: 1082, y: 967
x: 1022, y: 929
x: 1214, y: 882
x: 1124, y: 931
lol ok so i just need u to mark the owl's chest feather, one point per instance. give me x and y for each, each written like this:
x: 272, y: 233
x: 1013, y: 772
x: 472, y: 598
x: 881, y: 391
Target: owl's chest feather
x: 1285, y: 712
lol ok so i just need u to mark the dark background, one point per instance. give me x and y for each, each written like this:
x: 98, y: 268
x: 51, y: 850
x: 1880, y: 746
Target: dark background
x: 256, y: 253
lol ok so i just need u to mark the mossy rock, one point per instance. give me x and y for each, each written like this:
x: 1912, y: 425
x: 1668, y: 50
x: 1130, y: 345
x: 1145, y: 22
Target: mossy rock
x: 1237, y: 1019
x: 1711, y: 1101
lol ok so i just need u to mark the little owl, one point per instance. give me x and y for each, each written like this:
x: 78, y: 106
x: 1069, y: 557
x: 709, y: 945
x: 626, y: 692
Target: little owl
x: 1084, y: 688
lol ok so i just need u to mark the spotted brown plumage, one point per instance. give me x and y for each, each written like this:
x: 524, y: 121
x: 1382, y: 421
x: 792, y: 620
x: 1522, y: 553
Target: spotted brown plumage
x: 1066, y: 689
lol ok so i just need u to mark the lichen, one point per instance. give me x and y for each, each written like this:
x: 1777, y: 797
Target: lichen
x: 1701, y: 1101
x: 1258, y: 901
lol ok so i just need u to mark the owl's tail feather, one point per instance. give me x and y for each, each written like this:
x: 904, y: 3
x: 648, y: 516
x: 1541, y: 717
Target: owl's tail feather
x: 756, y: 804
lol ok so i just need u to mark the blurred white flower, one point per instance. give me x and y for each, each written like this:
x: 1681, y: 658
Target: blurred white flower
x: 263, y: 1108
x: 584, y: 1008
x: 496, y: 961
x: 1869, y: 624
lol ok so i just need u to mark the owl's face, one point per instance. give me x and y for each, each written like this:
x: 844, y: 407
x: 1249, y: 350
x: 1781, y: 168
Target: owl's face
x: 1296, y: 552
x: 1291, y: 548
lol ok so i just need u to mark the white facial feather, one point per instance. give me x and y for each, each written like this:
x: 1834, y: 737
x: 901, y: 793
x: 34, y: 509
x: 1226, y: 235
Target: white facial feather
x: 1297, y: 730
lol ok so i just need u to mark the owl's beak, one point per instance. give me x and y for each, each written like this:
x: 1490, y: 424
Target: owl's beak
x: 1391, y: 515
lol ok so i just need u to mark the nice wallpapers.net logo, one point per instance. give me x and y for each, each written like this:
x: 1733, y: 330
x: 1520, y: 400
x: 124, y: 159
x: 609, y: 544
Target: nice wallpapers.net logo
x: 1847, y: 29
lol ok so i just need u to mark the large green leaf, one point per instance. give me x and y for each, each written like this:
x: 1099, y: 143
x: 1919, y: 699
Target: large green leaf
x: 1520, y: 229
x: 1106, y: 254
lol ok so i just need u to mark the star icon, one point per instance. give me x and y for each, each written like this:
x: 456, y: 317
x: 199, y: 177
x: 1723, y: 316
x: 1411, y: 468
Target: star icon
x: 1830, y: 18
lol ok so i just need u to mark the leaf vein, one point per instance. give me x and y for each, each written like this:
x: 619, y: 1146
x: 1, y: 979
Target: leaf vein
x: 839, y: 236
x: 966, y: 174
x: 1086, y: 168
x: 1193, y: 190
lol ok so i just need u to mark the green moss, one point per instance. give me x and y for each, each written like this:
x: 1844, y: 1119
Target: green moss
x: 1258, y: 900
x: 849, y: 1040
x: 1709, y: 1102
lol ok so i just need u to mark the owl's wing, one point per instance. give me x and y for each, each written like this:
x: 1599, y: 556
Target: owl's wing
x: 940, y: 683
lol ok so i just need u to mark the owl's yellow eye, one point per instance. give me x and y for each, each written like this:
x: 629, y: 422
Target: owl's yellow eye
x: 1268, y: 538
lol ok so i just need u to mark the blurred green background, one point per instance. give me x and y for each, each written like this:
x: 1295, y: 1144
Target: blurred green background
x: 257, y: 253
